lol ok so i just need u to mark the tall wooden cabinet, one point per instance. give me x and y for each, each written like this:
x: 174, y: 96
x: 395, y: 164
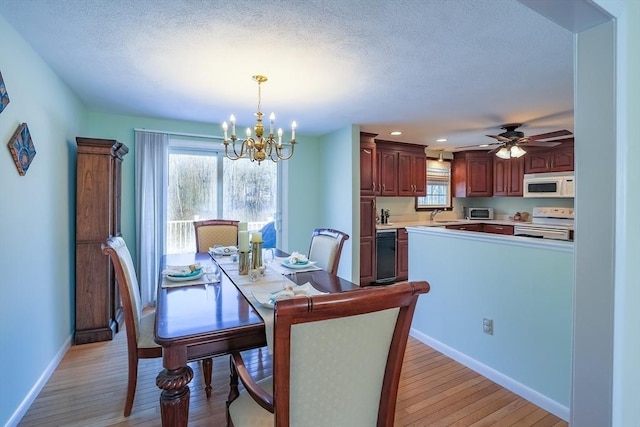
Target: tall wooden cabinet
x: 98, y: 204
x: 369, y: 188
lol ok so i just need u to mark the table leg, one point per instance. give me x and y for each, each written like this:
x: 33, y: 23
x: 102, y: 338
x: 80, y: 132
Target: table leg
x: 207, y: 370
x: 174, y: 399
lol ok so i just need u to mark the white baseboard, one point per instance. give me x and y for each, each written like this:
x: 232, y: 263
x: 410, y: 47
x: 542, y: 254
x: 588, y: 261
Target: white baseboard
x: 22, y: 409
x: 510, y: 384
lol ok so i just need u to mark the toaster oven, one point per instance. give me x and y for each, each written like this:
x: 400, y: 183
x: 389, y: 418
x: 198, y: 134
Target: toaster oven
x: 479, y: 213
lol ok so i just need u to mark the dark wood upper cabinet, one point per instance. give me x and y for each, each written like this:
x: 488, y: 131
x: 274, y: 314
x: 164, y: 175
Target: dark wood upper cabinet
x: 387, y: 171
x: 368, y: 165
x: 401, y: 169
x: 472, y: 174
x: 556, y: 159
x: 508, y: 176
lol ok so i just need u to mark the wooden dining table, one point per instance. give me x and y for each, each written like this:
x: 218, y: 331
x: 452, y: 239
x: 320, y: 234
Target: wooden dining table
x: 206, y: 320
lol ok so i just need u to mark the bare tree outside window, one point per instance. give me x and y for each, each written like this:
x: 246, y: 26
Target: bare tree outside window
x: 246, y: 192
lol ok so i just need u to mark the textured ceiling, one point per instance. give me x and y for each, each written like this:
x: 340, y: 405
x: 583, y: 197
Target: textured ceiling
x: 456, y: 69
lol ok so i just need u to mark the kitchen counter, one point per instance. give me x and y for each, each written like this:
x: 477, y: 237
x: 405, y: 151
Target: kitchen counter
x: 503, y: 239
x: 445, y: 222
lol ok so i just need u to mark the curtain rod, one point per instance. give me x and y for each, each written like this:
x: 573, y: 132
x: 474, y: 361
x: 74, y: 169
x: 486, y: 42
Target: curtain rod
x: 193, y: 135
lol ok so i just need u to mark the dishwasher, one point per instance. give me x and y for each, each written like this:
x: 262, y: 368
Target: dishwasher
x: 385, y: 256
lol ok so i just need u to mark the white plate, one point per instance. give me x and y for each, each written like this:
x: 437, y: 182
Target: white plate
x: 297, y: 266
x: 185, y: 278
x: 225, y: 250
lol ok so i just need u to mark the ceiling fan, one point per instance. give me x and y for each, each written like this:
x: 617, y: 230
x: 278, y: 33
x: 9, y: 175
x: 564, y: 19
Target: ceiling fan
x: 511, y: 141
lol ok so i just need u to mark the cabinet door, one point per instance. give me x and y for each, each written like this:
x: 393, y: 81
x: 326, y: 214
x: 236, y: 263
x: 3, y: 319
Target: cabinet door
x: 402, y: 255
x: 420, y: 175
x: 515, y: 175
x: 367, y: 256
x: 500, y: 176
x: 536, y: 161
x: 367, y: 239
x: 367, y: 170
x: 479, y: 177
x: 367, y: 217
x: 388, y: 172
x: 561, y: 160
x: 405, y: 174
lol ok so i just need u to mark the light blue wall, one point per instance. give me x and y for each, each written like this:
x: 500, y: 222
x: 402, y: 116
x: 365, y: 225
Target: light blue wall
x: 526, y: 291
x: 340, y: 199
x: 303, y: 201
x: 36, y: 222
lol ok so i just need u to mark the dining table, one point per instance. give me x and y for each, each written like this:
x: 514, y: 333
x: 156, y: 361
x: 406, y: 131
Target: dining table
x: 216, y: 315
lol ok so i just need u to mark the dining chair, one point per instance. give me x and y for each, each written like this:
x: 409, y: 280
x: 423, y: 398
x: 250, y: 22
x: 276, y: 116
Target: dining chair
x: 139, y: 326
x: 326, y: 247
x: 213, y: 232
x: 337, y: 360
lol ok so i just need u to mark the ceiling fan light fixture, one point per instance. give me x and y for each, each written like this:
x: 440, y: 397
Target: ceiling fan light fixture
x: 504, y: 153
x: 517, y: 151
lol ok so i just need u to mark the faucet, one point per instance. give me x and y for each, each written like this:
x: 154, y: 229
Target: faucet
x: 434, y: 213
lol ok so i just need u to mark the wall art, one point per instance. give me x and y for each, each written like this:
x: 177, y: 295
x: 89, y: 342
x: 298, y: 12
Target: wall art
x: 22, y: 149
x: 4, y: 96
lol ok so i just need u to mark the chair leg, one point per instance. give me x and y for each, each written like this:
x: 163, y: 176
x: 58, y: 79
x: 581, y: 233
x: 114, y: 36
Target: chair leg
x: 233, y: 388
x: 131, y: 385
x: 207, y: 370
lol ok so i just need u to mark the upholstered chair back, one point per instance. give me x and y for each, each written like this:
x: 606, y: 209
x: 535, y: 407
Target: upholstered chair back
x: 337, y: 360
x: 130, y: 293
x: 215, y: 232
x: 326, y: 248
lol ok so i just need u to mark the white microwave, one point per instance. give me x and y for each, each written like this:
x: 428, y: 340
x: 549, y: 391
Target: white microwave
x: 552, y: 184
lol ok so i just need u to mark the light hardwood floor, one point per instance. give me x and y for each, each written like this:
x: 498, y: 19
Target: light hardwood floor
x: 89, y: 386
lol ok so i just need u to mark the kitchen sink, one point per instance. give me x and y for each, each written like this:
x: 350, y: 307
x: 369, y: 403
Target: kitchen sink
x: 450, y: 221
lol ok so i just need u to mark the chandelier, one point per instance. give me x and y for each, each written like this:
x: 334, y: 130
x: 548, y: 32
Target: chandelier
x: 510, y: 151
x: 259, y: 148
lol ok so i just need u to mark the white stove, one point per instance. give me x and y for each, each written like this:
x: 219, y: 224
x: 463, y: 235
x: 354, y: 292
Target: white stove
x: 548, y: 223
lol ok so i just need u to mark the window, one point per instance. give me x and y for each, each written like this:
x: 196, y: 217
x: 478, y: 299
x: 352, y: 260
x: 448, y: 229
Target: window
x: 438, y: 186
x: 204, y: 184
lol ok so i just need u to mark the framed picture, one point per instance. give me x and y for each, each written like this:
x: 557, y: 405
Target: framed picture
x: 22, y: 149
x: 4, y: 96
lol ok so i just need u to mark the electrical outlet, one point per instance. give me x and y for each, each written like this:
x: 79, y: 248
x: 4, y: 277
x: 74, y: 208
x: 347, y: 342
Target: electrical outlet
x: 487, y: 326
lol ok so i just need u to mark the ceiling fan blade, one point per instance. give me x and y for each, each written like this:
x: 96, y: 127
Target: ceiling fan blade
x: 541, y: 143
x: 550, y: 135
x: 563, y: 140
x: 499, y: 138
x: 496, y: 149
x: 479, y: 145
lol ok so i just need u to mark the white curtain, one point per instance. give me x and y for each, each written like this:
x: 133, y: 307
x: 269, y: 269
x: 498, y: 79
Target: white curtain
x: 151, y: 152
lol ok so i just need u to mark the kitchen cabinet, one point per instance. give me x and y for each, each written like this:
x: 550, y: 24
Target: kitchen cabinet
x: 98, y: 309
x: 498, y: 229
x: 387, y: 171
x: 367, y: 240
x: 368, y: 165
x: 508, y: 176
x: 467, y: 227
x: 472, y: 174
x: 402, y: 255
x: 556, y: 159
x: 412, y: 173
x: 401, y: 169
